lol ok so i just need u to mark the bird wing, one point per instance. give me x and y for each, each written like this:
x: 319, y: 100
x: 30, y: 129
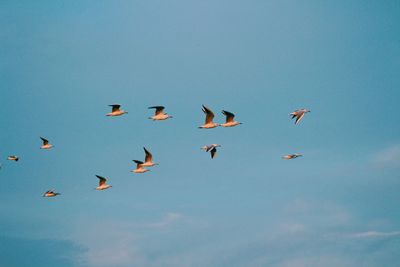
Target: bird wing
x: 148, y: 157
x: 299, y: 117
x: 138, y: 163
x: 115, y: 107
x: 102, y: 180
x: 45, y: 141
x: 229, y: 116
x: 209, y: 114
x: 159, y: 109
x: 213, y: 152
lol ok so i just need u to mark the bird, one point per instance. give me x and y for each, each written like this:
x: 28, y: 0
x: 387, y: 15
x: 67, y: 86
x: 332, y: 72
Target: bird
x: 116, y: 111
x: 50, y: 193
x: 211, y: 148
x: 148, y: 160
x: 102, y: 183
x: 159, y: 114
x: 209, y: 119
x: 292, y: 156
x: 46, y: 144
x: 15, y: 158
x: 299, y: 114
x: 229, y: 119
x: 139, y: 167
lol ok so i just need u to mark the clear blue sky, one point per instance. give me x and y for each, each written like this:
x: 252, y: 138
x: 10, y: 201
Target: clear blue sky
x: 63, y: 62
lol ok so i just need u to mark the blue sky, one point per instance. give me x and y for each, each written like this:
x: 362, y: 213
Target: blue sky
x: 63, y: 63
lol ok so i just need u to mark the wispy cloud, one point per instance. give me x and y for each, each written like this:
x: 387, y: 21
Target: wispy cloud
x: 306, y: 233
x: 168, y: 219
x: 388, y: 157
x: 120, y: 243
x: 374, y: 234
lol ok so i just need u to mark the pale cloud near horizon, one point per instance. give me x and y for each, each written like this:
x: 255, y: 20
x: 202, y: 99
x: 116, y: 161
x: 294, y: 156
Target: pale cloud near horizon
x: 374, y: 234
x: 388, y: 157
x: 168, y: 219
x: 303, y: 224
x: 118, y: 243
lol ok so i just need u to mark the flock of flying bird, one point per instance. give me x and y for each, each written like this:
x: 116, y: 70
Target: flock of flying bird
x: 161, y: 115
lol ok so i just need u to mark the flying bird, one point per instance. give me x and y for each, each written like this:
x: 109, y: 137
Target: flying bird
x: 292, y: 156
x: 209, y: 119
x: 102, y: 183
x: 46, y: 144
x: 299, y: 114
x: 139, y: 167
x: 50, y: 193
x: 229, y: 119
x: 148, y: 160
x: 159, y: 114
x: 212, y: 149
x: 116, y: 111
x: 15, y: 158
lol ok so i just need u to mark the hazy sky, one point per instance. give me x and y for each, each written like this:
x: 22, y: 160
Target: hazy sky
x: 63, y: 62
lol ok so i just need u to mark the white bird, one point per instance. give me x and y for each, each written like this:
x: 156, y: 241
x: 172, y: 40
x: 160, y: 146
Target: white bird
x: 139, y: 167
x: 159, y: 114
x: 229, y: 119
x: 46, y: 144
x: 148, y: 160
x: 116, y: 111
x: 211, y: 148
x: 209, y: 119
x: 50, y: 193
x: 292, y: 156
x: 299, y: 114
x: 102, y: 183
x: 15, y: 158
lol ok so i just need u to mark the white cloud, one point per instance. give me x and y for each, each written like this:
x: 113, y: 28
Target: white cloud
x: 389, y: 157
x: 292, y: 227
x: 118, y: 243
x: 326, y: 213
x: 326, y: 261
x: 167, y: 220
x: 374, y: 234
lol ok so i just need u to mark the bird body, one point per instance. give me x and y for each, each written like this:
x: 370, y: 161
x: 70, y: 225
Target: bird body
x: 212, y: 149
x: 299, y: 114
x: 139, y: 167
x: 116, y: 111
x: 208, y: 124
x: 159, y: 114
x: 46, y: 144
x: 102, y: 183
x: 292, y: 156
x: 14, y: 158
x: 50, y: 193
x: 230, y: 122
